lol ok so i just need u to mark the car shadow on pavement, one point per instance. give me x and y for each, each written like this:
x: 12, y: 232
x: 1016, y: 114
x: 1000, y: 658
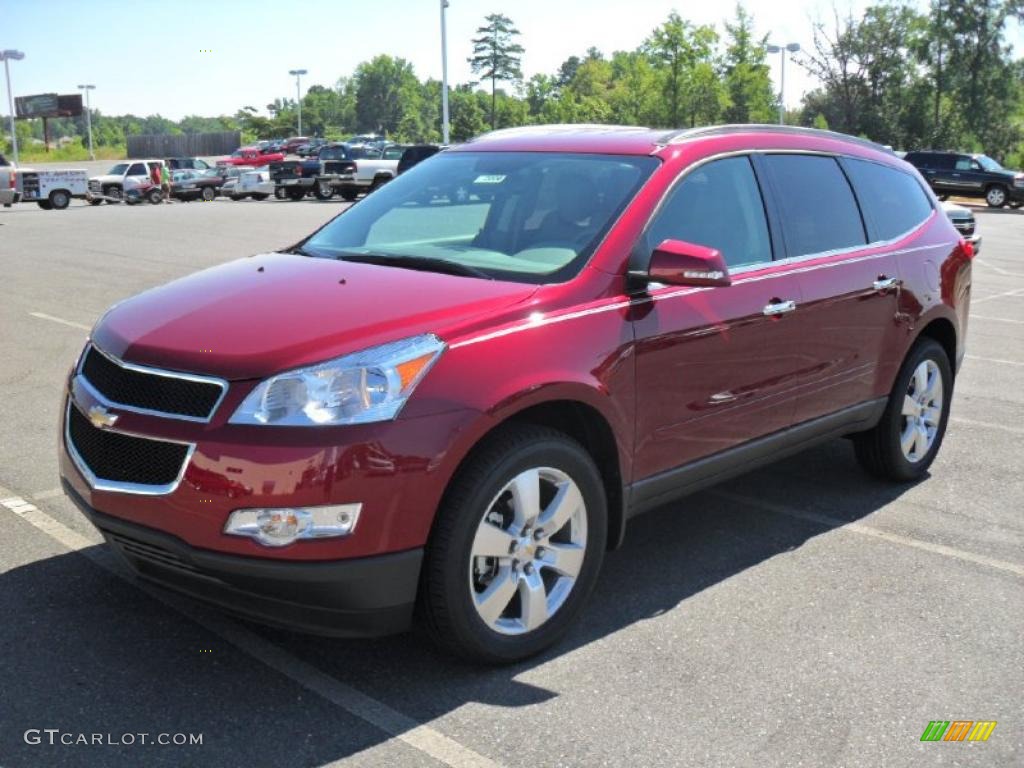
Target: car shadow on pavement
x: 86, y: 652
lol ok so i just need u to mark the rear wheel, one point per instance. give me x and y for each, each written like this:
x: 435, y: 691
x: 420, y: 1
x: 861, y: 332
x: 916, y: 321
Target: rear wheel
x: 46, y: 205
x: 995, y: 196
x: 280, y: 193
x: 209, y: 194
x: 95, y: 202
x: 260, y: 196
x: 906, y: 440
x: 60, y: 199
x: 155, y: 196
x: 516, y: 548
x: 349, y: 194
x: 296, y: 194
x: 323, y: 191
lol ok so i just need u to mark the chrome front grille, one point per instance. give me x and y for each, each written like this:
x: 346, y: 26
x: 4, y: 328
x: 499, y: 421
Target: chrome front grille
x: 150, y: 390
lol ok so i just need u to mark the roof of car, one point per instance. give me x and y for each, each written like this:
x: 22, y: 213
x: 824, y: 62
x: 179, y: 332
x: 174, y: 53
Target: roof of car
x: 633, y: 140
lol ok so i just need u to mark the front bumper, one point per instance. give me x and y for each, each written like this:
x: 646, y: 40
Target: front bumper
x: 361, y: 597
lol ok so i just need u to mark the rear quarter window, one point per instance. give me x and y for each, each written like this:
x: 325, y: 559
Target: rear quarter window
x: 818, y: 210
x: 892, y: 201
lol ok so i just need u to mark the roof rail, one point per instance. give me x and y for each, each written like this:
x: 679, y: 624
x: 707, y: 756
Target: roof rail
x: 527, y: 130
x: 675, y: 137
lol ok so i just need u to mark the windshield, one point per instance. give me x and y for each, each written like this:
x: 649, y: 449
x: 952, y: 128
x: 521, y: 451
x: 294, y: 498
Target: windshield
x: 988, y: 163
x: 118, y: 170
x: 532, y: 217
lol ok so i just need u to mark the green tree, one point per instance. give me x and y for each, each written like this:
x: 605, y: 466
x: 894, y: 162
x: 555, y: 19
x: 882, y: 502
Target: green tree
x: 676, y: 48
x: 496, y: 55
x: 387, y: 95
x: 747, y: 78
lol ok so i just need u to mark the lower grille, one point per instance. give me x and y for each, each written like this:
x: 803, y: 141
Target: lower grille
x: 143, y: 553
x: 116, y: 459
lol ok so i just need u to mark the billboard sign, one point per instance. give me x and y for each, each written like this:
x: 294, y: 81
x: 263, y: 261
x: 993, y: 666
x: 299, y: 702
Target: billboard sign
x: 48, y: 105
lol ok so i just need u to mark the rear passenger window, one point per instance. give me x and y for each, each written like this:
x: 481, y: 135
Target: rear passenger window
x: 892, y: 201
x: 718, y: 205
x: 819, y: 212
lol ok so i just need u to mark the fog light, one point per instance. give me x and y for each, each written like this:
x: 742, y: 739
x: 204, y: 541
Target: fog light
x: 278, y: 527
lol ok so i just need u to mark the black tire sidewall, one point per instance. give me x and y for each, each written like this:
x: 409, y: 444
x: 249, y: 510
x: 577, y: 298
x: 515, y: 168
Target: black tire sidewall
x: 470, y: 630
x: 924, y: 349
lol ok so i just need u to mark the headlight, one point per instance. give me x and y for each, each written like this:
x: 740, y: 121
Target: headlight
x: 366, y: 386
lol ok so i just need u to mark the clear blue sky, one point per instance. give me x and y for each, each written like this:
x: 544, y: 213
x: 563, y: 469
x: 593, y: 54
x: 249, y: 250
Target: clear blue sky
x: 253, y: 43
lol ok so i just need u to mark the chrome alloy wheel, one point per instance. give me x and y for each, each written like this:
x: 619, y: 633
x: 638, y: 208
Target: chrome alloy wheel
x: 922, y: 411
x: 528, y: 551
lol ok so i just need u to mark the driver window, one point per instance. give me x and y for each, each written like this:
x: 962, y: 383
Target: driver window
x: 964, y: 164
x: 717, y: 205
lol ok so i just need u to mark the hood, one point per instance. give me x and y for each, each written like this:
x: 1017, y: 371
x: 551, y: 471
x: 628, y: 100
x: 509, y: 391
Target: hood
x: 106, y: 178
x: 257, y: 316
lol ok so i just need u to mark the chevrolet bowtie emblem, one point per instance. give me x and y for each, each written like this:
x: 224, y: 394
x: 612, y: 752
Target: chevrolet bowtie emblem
x: 101, y: 417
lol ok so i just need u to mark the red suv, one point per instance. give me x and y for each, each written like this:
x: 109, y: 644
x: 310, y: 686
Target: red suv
x: 453, y: 396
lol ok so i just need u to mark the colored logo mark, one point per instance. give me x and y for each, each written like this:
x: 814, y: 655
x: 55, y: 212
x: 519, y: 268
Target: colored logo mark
x: 958, y: 730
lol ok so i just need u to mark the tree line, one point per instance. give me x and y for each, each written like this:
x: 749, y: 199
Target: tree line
x: 943, y: 77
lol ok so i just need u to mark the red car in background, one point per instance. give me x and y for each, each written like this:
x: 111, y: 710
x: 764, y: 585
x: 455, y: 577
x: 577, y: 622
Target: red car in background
x: 453, y: 396
x: 253, y: 156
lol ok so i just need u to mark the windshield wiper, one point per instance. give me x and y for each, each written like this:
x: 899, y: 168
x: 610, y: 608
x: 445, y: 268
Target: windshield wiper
x: 302, y: 250
x: 423, y: 263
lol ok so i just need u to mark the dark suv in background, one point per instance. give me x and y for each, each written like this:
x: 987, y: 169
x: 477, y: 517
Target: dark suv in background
x: 956, y: 173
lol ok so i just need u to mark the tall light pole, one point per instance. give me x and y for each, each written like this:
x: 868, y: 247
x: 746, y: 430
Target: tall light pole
x: 298, y: 92
x: 444, y: 73
x: 88, y: 116
x: 782, y: 50
x: 7, y: 56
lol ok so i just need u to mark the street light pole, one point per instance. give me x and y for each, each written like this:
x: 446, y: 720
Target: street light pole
x: 298, y: 92
x: 444, y: 74
x: 7, y: 56
x: 88, y: 117
x: 782, y: 50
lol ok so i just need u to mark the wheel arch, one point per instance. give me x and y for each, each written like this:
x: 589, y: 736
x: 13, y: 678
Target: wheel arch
x: 942, y: 330
x: 579, y: 418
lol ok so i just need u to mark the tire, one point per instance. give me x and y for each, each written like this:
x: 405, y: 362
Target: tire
x: 260, y: 196
x: 155, y: 196
x: 453, y: 579
x: 348, y: 194
x: 996, y: 196
x: 880, y: 450
x: 323, y: 191
x: 95, y: 202
x: 113, y: 192
x: 208, y: 194
x: 46, y: 205
x: 60, y: 199
x: 281, y: 193
x: 296, y: 194
x: 1016, y: 204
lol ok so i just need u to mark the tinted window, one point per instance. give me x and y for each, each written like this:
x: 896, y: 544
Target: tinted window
x: 893, y: 202
x: 137, y: 169
x: 718, y: 205
x: 818, y: 209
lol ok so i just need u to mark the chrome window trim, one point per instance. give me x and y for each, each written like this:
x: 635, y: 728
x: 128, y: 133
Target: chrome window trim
x: 80, y: 376
x: 99, y: 484
x: 789, y: 259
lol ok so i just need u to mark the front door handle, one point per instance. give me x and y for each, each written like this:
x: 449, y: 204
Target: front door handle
x: 883, y: 283
x: 776, y: 307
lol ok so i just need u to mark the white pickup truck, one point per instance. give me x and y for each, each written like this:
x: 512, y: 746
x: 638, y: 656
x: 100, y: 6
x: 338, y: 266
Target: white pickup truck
x: 50, y: 190
x: 127, y: 179
x: 363, y: 170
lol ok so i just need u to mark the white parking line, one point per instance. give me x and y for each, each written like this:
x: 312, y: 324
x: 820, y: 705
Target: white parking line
x: 993, y: 360
x: 997, y: 319
x: 1003, y: 294
x: 987, y: 425
x: 61, y: 320
x: 376, y: 713
x: 868, y: 530
x: 998, y: 270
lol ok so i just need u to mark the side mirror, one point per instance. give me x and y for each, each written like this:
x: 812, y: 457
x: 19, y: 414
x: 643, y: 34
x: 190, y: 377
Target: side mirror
x: 675, y: 262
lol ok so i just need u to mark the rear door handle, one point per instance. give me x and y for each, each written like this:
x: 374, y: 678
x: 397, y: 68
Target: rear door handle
x: 776, y: 307
x: 883, y: 283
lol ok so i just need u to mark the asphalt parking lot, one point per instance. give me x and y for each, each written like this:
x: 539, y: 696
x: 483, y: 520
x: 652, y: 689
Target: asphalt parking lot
x: 804, y: 615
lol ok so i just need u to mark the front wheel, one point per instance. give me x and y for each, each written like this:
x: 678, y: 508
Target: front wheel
x: 906, y: 440
x: 208, y: 194
x: 995, y: 196
x: 155, y: 196
x: 516, y: 548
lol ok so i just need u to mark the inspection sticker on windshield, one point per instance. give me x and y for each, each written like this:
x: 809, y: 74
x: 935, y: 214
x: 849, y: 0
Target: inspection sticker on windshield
x: 489, y: 179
